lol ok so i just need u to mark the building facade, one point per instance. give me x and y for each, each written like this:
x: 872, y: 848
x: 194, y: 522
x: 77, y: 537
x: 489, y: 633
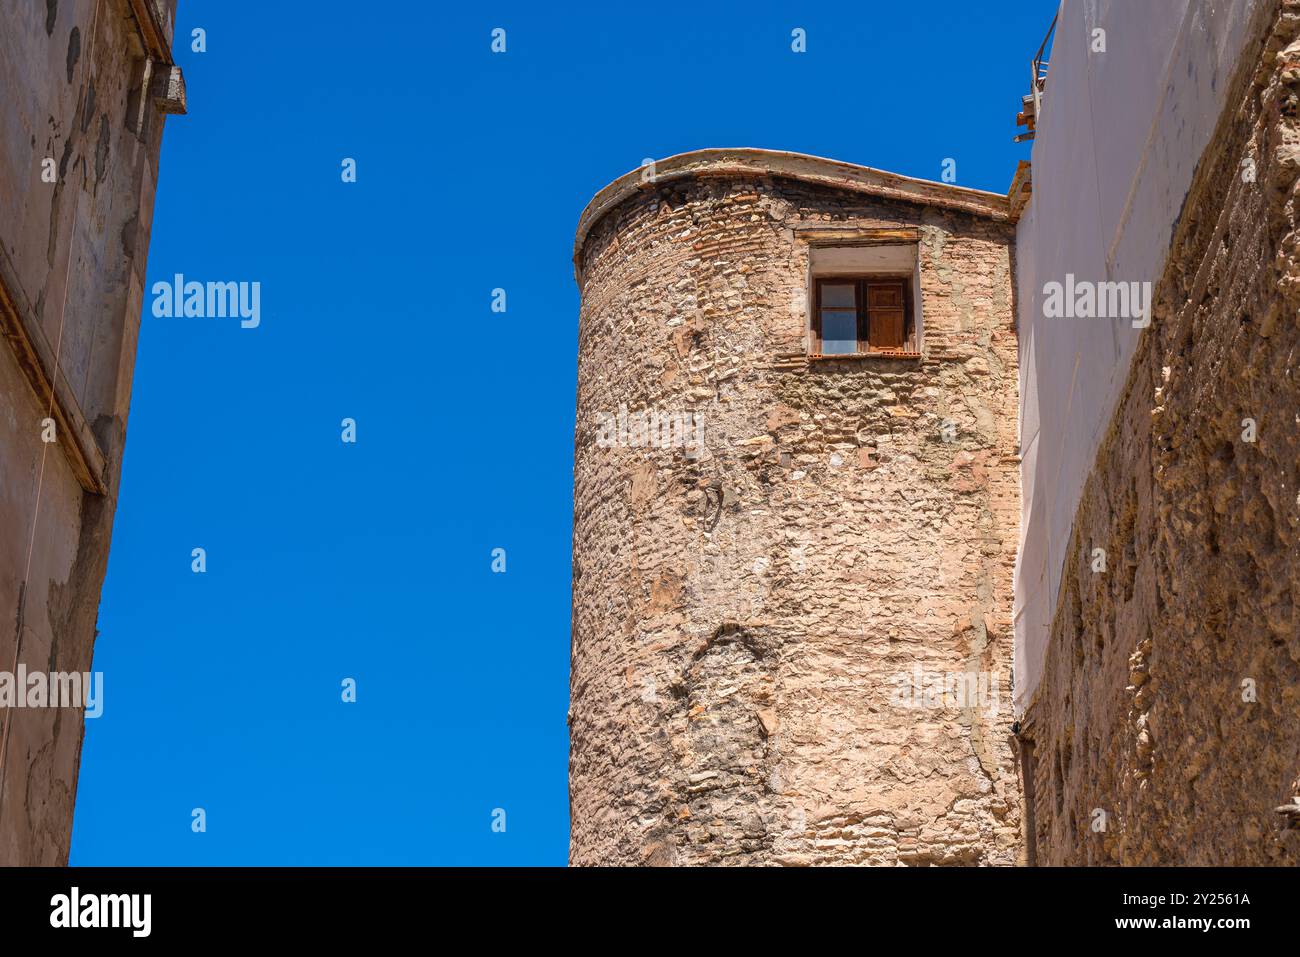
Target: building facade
x: 1158, y: 639
x: 879, y: 395
x: 795, y: 518
x: 87, y: 86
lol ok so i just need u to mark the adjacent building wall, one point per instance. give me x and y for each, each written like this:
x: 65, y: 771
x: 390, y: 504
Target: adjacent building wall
x: 1133, y: 95
x: 742, y: 613
x: 86, y: 85
x: 1163, y: 730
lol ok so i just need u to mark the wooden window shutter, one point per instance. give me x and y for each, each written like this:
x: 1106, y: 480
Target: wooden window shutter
x: 886, y: 305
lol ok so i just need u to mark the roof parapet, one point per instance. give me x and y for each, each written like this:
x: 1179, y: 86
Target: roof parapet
x: 748, y: 161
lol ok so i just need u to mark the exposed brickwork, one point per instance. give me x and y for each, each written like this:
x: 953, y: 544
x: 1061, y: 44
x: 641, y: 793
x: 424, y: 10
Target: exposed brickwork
x: 1140, y: 712
x: 738, y: 616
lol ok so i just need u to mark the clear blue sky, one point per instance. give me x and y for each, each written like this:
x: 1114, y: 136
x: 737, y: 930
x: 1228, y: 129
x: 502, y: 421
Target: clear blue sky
x: 372, y: 560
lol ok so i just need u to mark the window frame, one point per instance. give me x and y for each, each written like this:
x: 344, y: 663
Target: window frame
x: 860, y: 283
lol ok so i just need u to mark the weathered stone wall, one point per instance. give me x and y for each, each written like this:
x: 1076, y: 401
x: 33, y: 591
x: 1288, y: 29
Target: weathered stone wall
x: 739, y: 614
x: 1171, y: 686
x: 72, y: 262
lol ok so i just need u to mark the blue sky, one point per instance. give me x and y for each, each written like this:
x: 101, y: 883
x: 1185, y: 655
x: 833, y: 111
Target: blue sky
x: 372, y: 560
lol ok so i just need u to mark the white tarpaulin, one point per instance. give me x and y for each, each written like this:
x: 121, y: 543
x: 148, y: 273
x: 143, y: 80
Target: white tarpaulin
x: 1126, y: 116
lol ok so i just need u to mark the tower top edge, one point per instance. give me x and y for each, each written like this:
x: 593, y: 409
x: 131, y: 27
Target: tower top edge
x: 740, y: 162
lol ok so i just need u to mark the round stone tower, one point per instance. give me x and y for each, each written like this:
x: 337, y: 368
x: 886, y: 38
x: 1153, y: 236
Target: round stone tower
x: 795, y: 516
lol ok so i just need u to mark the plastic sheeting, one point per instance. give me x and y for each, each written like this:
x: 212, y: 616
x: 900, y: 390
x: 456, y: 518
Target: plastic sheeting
x: 1116, y: 146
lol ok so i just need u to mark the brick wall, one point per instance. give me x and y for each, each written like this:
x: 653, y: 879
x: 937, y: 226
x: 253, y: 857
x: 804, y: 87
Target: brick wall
x: 740, y: 614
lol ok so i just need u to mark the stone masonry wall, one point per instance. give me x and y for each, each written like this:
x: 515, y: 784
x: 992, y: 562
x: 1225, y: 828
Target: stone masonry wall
x: 1171, y: 689
x: 739, y: 615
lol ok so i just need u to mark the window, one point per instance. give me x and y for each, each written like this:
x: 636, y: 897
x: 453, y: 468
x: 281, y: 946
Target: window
x: 862, y: 314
